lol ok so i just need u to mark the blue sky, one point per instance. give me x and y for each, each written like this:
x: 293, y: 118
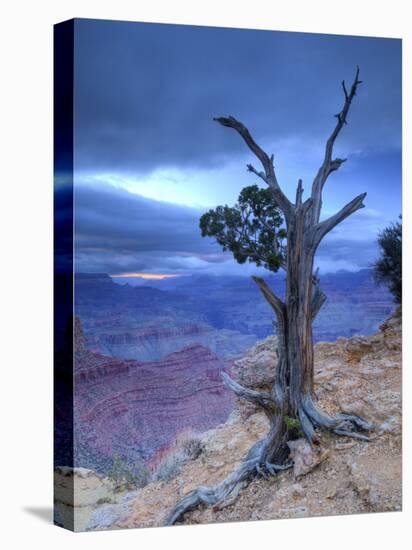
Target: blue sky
x: 149, y: 159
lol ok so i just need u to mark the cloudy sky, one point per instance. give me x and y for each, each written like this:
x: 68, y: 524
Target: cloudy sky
x: 149, y: 160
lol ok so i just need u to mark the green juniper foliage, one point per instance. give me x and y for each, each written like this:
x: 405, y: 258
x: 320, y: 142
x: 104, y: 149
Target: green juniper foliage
x: 251, y: 229
x: 294, y: 426
x: 388, y: 268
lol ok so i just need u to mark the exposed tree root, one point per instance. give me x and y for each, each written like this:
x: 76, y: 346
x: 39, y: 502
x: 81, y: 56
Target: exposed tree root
x: 230, y: 487
x: 254, y: 465
x: 342, y: 424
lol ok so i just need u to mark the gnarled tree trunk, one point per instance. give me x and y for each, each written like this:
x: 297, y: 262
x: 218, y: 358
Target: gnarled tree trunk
x: 292, y: 392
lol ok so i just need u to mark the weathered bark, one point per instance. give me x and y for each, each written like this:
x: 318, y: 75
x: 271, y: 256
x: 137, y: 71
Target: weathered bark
x: 292, y: 394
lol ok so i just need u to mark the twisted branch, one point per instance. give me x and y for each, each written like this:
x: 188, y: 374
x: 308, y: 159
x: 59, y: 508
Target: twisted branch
x: 328, y: 165
x: 318, y: 297
x: 318, y: 232
x: 269, y: 175
x: 259, y: 398
x: 275, y: 302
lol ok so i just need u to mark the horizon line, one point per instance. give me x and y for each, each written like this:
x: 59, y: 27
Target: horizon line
x: 146, y: 275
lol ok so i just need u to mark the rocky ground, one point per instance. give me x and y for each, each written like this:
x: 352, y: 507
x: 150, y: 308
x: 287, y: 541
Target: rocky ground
x: 360, y: 375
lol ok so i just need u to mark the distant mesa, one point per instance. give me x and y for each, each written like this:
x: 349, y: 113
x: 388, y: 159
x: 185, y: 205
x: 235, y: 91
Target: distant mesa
x: 99, y: 276
x: 156, y: 317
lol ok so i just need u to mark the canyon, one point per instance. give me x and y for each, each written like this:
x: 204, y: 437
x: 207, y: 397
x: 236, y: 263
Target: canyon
x: 148, y: 359
x: 131, y: 409
x: 146, y: 322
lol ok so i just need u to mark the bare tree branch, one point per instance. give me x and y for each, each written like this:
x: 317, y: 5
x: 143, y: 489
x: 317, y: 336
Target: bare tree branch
x: 268, y: 175
x: 318, y: 299
x: 263, y: 399
x: 317, y: 232
x: 251, y: 168
x: 276, y: 303
x: 299, y: 193
x: 329, y: 165
x: 302, y: 208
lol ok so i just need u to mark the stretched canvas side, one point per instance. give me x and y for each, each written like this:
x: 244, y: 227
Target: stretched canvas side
x: 63, y: 275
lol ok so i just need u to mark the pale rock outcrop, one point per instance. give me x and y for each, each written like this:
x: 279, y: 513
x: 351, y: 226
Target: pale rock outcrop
x: 88, y: 491
x: 304, y: 457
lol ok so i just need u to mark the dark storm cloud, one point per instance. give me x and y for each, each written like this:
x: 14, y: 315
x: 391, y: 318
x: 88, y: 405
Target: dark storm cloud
x: 63, y: 229
x: 145, y: 94
x: 117, y: 231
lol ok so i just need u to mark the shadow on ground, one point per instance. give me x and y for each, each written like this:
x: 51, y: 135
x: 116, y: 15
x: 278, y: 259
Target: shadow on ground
x: 43, y: 513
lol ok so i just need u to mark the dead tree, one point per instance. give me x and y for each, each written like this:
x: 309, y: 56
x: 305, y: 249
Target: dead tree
x: 292, y: 394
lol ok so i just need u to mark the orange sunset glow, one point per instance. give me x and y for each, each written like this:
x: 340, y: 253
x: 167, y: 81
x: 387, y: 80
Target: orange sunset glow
x: 156, y: 276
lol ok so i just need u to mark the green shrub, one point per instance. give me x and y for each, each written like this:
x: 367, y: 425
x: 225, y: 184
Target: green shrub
x: 171, y: 466
x: 121, y: 472
x: 294, y: 426
x: 387, y: 269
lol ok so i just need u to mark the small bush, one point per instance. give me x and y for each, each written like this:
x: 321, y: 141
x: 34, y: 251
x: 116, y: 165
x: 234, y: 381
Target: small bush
x: 169, y: 468
x: 294, y: 426
x: 137, y: 476
x: 184, y: 451
x: 192, y: 448
x: 387, y: 269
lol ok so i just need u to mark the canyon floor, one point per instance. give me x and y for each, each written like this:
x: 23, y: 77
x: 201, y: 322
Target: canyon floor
x: 344, y: 476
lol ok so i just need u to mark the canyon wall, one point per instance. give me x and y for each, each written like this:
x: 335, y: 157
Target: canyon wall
x: 130, y: 409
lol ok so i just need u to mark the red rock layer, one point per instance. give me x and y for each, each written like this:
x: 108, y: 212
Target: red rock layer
x: 134, y: 408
